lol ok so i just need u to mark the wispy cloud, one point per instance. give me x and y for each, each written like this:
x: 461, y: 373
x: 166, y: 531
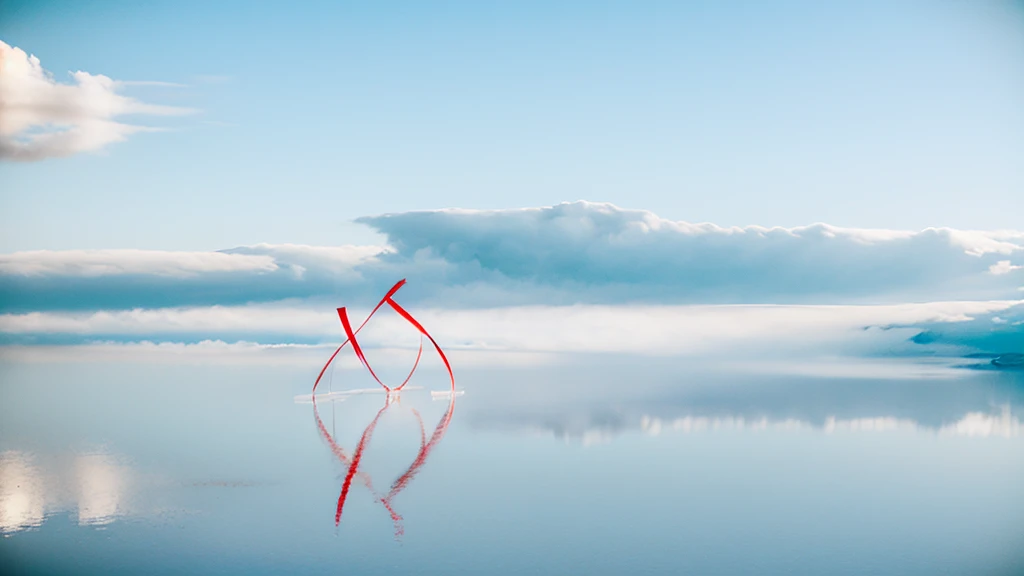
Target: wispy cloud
x: 757, y: 331
x: 42, y: 118
x: 94, y: 263
x: 1003, y: 267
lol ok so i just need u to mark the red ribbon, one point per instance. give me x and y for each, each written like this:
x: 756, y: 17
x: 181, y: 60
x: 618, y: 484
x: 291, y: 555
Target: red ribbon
x: 425, y: 445
x: 350, y: 335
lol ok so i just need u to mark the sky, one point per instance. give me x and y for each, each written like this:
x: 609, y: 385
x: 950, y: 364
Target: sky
x: 839, y: 178
x: 285, y: 122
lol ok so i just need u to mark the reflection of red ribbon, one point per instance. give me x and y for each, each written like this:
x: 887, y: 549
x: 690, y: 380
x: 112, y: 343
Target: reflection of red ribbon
x: 351, y: 337
x: 398, y: 485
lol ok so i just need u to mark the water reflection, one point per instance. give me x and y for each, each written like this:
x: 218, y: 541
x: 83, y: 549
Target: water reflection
x: 601, y: 426
x: 813, y: 475
x: 101, y: 484
x: 22, y: 498
x: 351, y: 463
x: 93, y: 484
x: 593, y: 408
x: 1003, y: 424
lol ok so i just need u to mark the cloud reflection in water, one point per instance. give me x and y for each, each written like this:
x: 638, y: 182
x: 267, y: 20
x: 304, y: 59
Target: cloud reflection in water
x: 1004, y: 424
x: 593, y: 405
x: 22, y: 498
x: 94, y: 484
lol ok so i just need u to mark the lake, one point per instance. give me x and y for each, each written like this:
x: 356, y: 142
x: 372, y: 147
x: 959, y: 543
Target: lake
x: 581, y: 464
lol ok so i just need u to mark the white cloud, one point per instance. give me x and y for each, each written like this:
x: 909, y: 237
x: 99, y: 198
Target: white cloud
x: 239, y: 319
x: 92, y: 279
x: 570, y: 253
x: 1003, y: 267
x: 218, y: 352
x: 653, y: 330
x: 341, y: 260
x: 42, y: 118
x: 259, y: 257
x: 599, y: 252
x: 92, y: 263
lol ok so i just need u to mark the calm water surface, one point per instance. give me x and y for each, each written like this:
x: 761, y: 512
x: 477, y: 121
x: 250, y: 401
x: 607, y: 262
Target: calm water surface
x: 620, y: 466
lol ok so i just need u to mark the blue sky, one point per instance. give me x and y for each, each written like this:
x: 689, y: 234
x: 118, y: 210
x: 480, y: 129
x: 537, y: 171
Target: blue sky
x: 901, y: 114
x: 234, y: 172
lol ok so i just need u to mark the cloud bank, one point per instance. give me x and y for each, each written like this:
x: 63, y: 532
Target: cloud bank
x: 571, y: 253
x: 42, y: 118
x: 120, y: 279
x: 634, y: 254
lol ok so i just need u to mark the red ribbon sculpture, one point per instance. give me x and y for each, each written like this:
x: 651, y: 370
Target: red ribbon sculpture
x: 425, y: 445
x: 351, y: 337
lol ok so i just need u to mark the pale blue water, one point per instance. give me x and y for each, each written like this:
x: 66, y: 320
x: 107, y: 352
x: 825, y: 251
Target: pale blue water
x: 626, y: 466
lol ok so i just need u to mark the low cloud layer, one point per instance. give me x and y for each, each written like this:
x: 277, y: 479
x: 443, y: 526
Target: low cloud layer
x: 571, y: 253
x: 740, y: 332
x: 43, y: 118
x: 98, y: 263
x: 125, y: 279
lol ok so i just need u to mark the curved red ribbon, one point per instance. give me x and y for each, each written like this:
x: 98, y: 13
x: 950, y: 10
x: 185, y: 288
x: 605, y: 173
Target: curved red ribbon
x: 425, y: 445
x: 350, y: 336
